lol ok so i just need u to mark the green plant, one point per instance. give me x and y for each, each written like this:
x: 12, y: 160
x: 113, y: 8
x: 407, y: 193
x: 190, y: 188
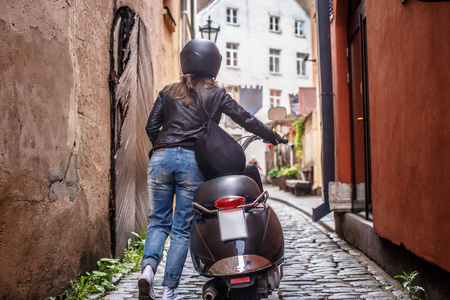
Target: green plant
x: 283, y: 171
x: 290, y: 171
x: 101, y: 280
x: 135, y: 250
x: 293, y: 171
x: 299, y: 129
x: 274, y: 172
x: 407, y: 285
x: 79, y: 290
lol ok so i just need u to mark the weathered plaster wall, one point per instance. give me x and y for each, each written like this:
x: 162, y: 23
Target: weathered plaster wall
x: 54, y: 143
x: 409, y: 55
x: 157, y: 60
x: 165, y: 47
x: 308, y: 157
x: 55, y: 135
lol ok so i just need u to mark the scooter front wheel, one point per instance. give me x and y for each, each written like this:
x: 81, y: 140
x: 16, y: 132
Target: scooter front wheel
x: 247, y: 293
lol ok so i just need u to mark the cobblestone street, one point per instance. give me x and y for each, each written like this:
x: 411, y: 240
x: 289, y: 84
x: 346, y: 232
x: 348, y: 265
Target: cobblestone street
x: 318, y: 265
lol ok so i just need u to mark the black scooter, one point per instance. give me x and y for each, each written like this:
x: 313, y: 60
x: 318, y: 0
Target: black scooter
x: 236, y: 237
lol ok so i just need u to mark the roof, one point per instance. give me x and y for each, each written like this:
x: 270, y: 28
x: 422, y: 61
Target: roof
x: 201, y: 4
x: 305, y: 4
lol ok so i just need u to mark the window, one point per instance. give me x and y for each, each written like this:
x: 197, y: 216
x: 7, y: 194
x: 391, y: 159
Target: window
x: 274, y: 24
x: 232, y: 16
x: 299, y: 30
x: 233, y: 91
x: 275, y: 98
x: 274, y: 61
x: 232, y: 55
x: 301, y: 64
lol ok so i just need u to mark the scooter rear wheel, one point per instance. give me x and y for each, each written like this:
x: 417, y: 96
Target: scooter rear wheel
x: 247, y: 293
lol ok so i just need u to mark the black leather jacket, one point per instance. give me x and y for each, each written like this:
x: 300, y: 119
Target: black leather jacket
x: 171, y: 125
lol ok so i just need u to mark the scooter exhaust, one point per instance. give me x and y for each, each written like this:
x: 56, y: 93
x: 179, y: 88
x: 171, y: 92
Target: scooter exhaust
x: 210, y: 293
x: 214, y: 289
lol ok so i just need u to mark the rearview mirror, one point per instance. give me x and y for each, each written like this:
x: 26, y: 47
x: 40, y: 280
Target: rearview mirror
x: 277, y: 113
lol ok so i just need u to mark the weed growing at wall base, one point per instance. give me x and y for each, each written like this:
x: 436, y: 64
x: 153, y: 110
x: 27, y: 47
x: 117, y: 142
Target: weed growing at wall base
x: 102, y: 280
x: 407, y: 285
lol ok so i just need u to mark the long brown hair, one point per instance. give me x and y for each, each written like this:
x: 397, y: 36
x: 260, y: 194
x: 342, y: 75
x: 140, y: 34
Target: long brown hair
x: 190, y: 85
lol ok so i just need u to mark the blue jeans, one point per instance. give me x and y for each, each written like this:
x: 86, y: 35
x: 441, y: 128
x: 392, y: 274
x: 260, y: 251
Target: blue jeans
x: 172, y: 171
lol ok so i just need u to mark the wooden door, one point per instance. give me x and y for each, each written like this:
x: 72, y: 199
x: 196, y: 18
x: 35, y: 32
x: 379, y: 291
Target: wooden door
x: 360, y: 116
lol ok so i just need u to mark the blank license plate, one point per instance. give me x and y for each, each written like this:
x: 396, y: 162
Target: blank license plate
x: 232, y: 224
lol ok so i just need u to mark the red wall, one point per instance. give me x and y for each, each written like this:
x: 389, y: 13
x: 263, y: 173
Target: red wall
x: 409, y: 90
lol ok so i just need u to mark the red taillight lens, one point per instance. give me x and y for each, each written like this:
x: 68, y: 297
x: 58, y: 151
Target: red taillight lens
x: 240, y: 280
x: 229, y: 202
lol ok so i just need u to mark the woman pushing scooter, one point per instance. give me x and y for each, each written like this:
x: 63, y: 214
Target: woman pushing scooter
x: 173, y: 170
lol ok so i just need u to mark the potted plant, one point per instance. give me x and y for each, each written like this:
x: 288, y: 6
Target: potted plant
x: 273, y: 175
x: 287, y: 173
x: 293, y: 172
x: 282, y: 178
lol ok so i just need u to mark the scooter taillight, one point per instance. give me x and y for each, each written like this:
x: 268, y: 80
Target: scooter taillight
x: 240, y: 280
x: 229, y: 202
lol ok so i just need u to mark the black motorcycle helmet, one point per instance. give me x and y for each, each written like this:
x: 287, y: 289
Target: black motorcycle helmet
x: 200, y: 57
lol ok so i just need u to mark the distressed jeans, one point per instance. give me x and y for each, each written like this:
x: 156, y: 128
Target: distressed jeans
x: 171, y: 172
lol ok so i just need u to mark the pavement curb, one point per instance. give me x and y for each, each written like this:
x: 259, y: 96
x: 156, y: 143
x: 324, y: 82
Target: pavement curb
x: 325, y: 226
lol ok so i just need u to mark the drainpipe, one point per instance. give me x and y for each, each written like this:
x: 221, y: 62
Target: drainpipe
x: 188, y: 26
x: 184, y: 22
x: 326, y: 84
x: 193, y: 14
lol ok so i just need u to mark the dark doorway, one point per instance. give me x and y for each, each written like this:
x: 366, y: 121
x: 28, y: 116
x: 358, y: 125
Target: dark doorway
x: 131, y: 85
x: 360, y: 116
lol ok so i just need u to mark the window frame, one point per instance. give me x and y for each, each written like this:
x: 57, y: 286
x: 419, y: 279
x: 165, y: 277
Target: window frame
x: 274, y: 24
x: 232, y: 16
x: 233, y: 90
x: 232, y: 55
x: 274, y: 61
x: 297, y: 29
x: 274, y: 100
x: 301, y: 65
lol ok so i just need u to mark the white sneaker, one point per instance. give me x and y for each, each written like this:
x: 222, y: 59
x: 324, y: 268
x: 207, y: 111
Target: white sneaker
x: 145, y: 284
x: 169, y: 294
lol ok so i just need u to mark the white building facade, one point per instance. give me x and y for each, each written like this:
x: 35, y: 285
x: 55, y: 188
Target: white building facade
x: 263, y: 43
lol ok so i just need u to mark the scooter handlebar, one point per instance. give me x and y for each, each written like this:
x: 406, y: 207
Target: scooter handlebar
x: 286, y: 142
x: 255, y: 137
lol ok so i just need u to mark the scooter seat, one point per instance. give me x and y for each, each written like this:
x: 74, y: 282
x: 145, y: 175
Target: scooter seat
x: 230, y: 185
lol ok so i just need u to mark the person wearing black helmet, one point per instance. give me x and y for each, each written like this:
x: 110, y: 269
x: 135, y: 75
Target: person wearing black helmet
x: 173, y: 129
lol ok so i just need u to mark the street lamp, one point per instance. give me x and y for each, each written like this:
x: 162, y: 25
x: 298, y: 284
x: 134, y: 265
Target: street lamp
x: 306, y: 58
x: 208, y: 31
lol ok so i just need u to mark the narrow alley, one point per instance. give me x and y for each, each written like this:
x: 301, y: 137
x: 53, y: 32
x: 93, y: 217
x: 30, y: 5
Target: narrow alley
x: 364, y: 86
x: 318, y: 264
